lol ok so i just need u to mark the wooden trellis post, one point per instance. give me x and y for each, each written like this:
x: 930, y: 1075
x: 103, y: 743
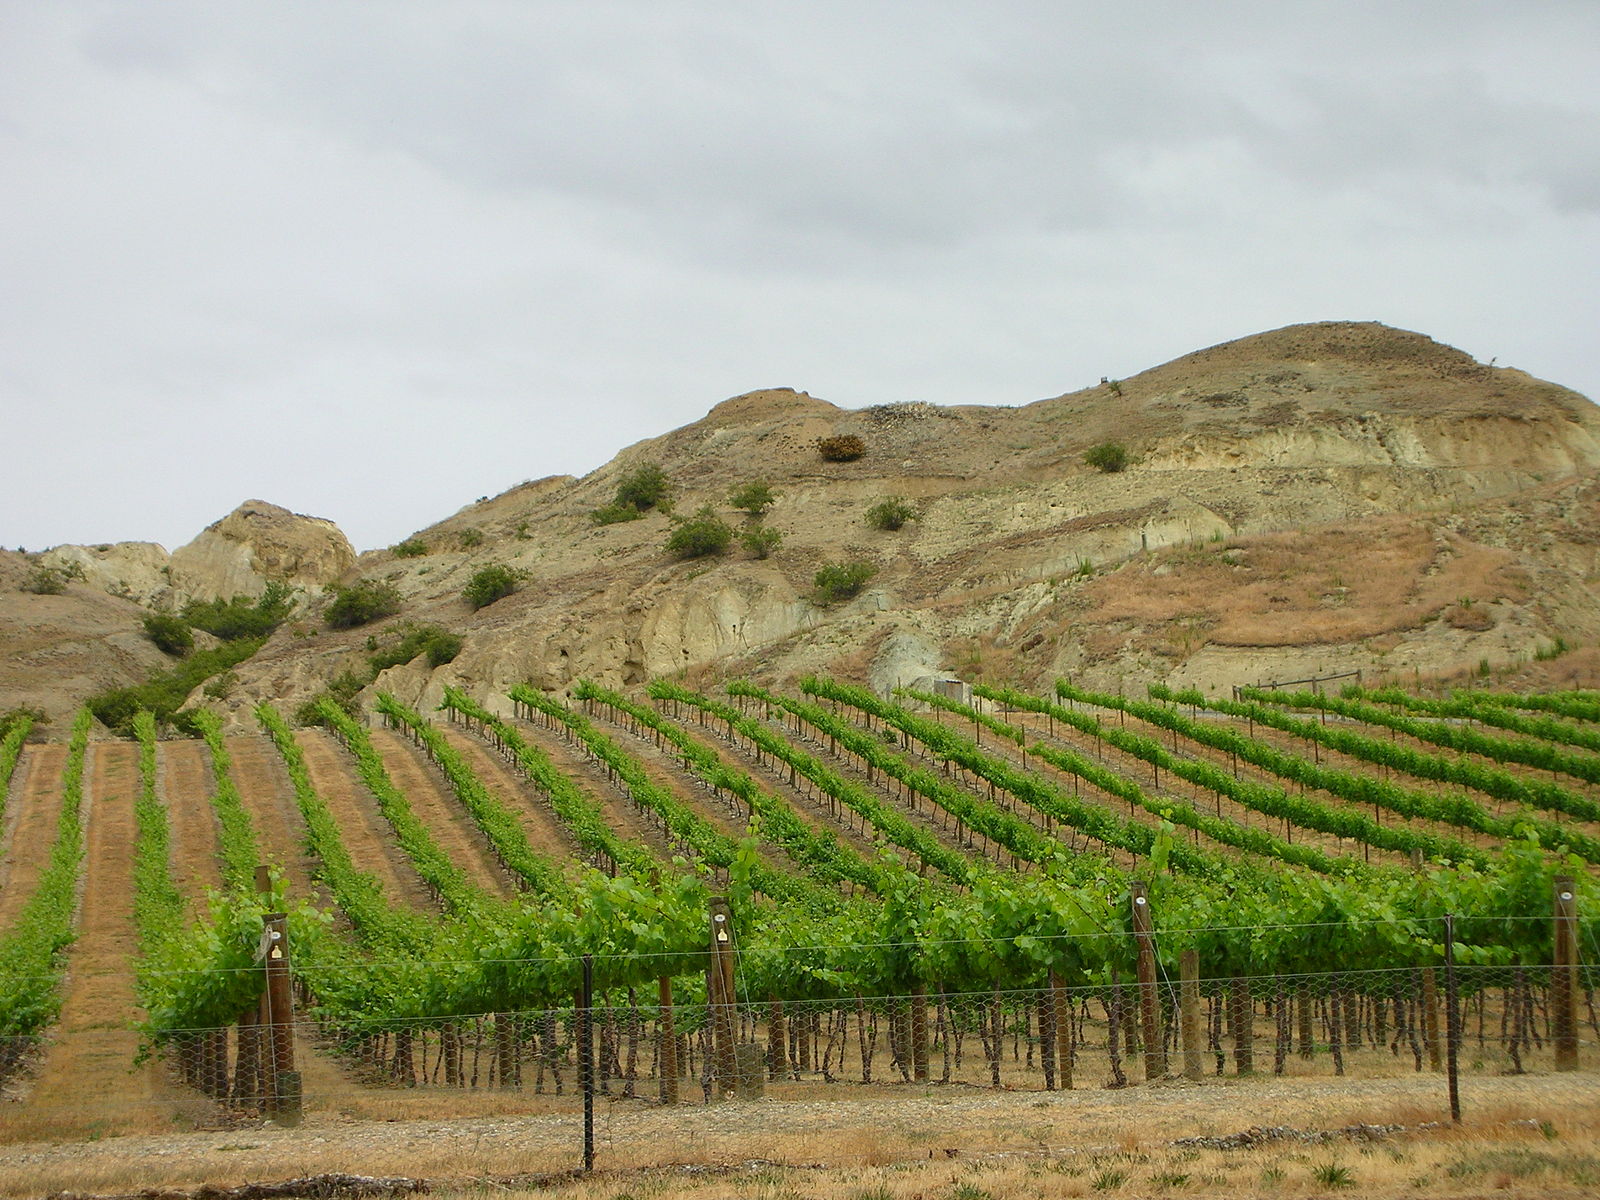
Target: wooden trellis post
x: 667, y: 1064
x: 1189, y: 1003
x: 919, y: 1032
x: 1155, y: 1054
x: 720, y: 994
x: 1564, y: 976
x: 283, y: 1094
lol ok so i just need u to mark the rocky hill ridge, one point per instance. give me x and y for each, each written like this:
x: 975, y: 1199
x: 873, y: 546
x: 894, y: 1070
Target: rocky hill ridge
x: 1342, y: 439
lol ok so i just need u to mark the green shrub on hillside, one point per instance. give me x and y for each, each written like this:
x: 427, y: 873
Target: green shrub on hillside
x: 410, y: 548
x: 761, y: 540
x: 242, y: 616
x: 701, y: 535
x: 51, y: 581
x: 440, y: 645
x: 754, y: 497
x: 30, y: 713
x: 613, y: 514
x: 1109, y: 457
x: 471, y: 538
x: 169, y: 633
x: 644, y: 487
x: 363, y: 601
x: 891, y: 513
x: 840, y: 581
x: 342, y: 690
x: 163, y: 693
x: 491, y: 583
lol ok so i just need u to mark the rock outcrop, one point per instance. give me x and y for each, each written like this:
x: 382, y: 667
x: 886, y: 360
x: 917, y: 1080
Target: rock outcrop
x: 258, y: 543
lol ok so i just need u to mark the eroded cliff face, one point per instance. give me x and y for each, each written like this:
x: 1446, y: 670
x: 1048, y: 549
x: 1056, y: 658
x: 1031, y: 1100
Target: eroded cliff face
x: 258, y: 543
x: 61, y: 649
x: 254, y: 545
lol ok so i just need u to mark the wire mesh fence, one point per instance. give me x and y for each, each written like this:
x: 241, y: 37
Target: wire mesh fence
x: 1495, y: 1023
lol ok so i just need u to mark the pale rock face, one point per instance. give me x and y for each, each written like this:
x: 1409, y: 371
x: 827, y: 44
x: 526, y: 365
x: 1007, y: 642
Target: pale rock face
x: 709, y: 620
x: 134, y: 570
x: 256, y: 544
x: 906, y: 658
x: 1504, y: 445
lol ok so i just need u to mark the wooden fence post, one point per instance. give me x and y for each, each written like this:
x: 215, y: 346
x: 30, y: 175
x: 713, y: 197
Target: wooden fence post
x: 667, y: 1065
x: 1430, y: 1018
x: 1242, y: 1011
x: 720, y: 994
x: 1564, y: 976
x: 1430, y: 996
x: 1189, y: 1002
x: 1155, y: 1054
x: 283, y: 1099
x: 1060, y: 1005
x: 919, y: 1032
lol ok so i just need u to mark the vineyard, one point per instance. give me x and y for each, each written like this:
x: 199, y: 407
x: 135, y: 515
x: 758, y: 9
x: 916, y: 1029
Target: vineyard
x: 684, y: 896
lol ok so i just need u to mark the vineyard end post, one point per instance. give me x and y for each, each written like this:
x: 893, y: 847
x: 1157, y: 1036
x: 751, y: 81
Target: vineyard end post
x: 721, y: 995
x: 1155, y: 1055
x: 668, y: 1067
x: 1189, y: 1003
x: 586, y: 1058
x: 1452, y: 1022
x: 285, y: 1096
x: 1563, y: 975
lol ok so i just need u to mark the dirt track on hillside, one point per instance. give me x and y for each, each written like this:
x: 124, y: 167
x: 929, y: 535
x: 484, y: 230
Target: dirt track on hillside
x: 183, y: 780
x: 86, y: 1084
x: 32, y: 810
x: 430, y: 798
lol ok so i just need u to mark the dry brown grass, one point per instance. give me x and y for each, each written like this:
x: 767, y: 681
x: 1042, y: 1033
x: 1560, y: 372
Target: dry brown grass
x: 1321, y: 586
x: 1521, y: 1138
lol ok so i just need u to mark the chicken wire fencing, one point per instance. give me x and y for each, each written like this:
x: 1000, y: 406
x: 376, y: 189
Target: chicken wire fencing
x: 1537, y: 1027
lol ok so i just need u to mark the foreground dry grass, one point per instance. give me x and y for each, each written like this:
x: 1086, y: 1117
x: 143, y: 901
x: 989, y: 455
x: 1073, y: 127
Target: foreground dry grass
x: 1523, y: 1136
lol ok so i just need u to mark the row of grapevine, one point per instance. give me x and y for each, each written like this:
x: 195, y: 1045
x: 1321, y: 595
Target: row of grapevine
x: 10, y: 751
x: 1098, y: 823
x: 1502, y: 785
x: 693, y: 832
x: 1461, y: 738
x: 1579, y: 706
x: 821, y: 855
x: 158, y: 906
x: 1467, y: 706
x: 1366, y: 790
x: 970, y: 812
x: 1218, y: 829
x: 33, y: 952
x: 890, y: 824
x: 238, y: 840
x: 445, y: 879
x: 506, y: 837
x: 1269, y: 801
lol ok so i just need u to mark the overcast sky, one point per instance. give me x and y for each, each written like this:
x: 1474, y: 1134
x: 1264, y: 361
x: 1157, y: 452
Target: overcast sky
x: 371, y: 261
